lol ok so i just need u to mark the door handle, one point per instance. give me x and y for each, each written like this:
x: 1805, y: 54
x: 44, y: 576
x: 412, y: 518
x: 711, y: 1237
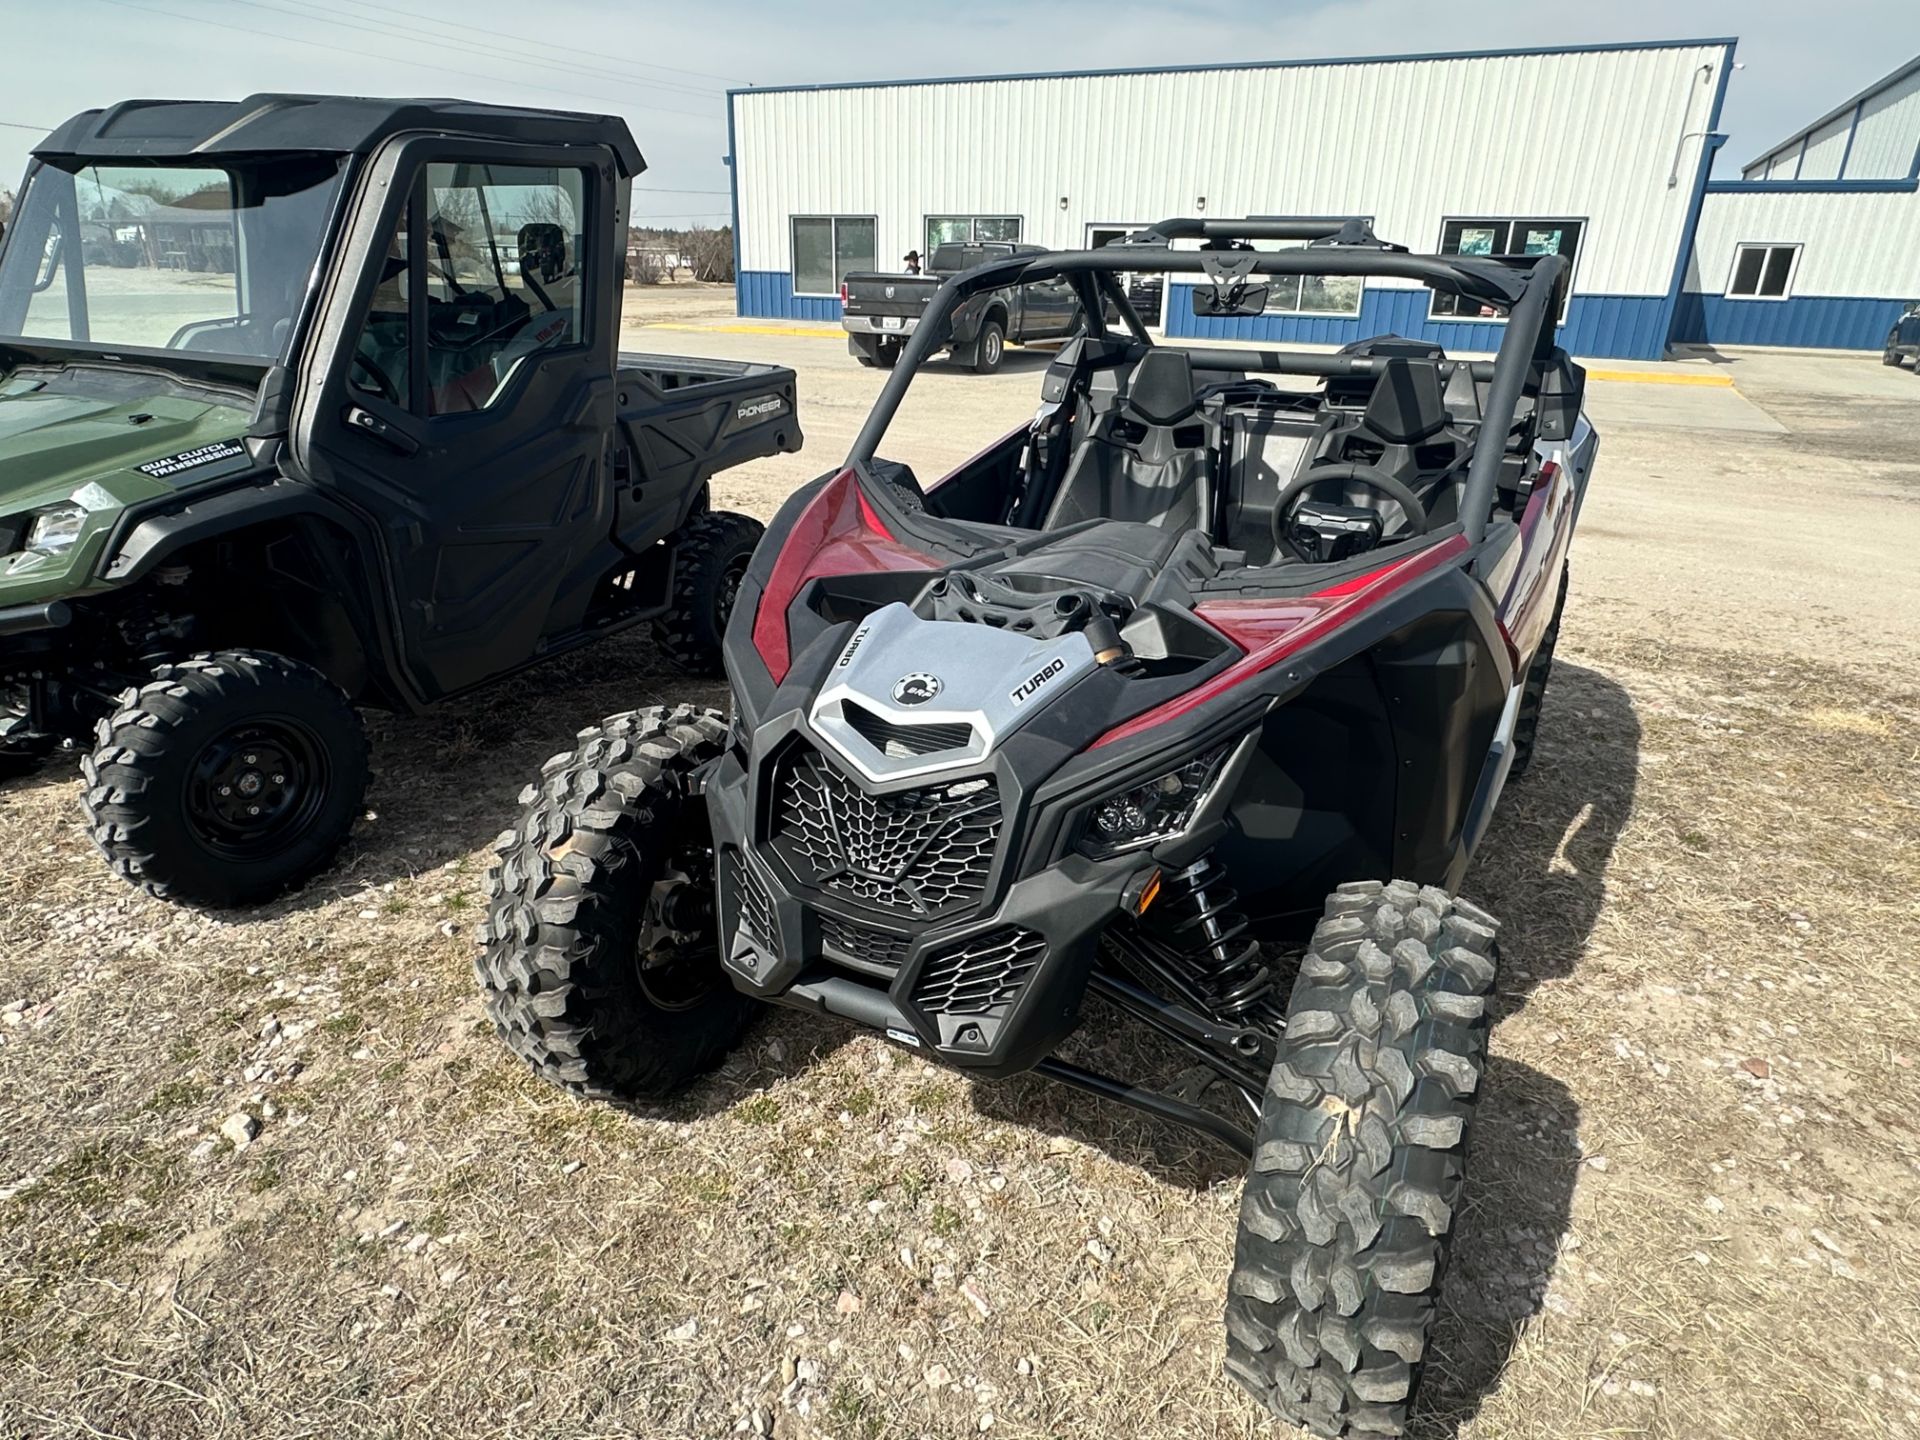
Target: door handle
x: 369, y: 423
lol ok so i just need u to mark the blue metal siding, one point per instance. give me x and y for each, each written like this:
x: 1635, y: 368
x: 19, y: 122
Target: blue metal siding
x: 769, y: 293
x: 1627, y: 327
x: 1828, y: 322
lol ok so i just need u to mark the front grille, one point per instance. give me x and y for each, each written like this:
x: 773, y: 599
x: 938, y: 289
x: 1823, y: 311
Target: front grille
x: 919, y: 852
x: 862, y: 944
x: 978, y: 976
x: 899, y: 742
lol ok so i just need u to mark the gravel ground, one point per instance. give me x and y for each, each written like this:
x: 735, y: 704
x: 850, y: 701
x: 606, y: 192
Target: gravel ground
x: 267, y: 1173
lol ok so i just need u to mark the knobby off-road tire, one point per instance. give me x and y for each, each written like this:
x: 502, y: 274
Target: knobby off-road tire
x: 711, y: 554
x: 1346, y: 1220
x: 1526, y: 725
x: 568, y: 915
x: 184, y: 758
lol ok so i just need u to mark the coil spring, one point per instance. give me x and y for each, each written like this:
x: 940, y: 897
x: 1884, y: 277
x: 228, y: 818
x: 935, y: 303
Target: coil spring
x: 1199, y: 924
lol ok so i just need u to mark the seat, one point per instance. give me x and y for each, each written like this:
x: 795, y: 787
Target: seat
x: 1145, y: 455
x: 1405, y: 429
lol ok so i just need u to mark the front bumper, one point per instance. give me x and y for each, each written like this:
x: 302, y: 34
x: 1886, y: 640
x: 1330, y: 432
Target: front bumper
x: 993, y: 990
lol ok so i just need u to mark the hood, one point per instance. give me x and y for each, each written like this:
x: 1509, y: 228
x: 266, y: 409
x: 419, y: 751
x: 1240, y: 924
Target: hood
x: 102, y: 441
x: 53, y: 443
x: 909, y: 697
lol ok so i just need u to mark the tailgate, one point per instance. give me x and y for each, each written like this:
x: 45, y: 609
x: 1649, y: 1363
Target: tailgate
x: 685, y: 419
x: 897, y: 297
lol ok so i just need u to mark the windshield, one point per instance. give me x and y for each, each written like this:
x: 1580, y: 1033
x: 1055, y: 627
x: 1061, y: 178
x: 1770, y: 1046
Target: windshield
x: 212, y: 259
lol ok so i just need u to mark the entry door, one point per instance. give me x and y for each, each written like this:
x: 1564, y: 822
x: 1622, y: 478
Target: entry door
x: 1143, y: 288
x: 460, y: 393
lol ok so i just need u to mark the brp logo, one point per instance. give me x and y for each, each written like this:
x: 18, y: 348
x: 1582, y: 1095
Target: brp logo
x: 915, y: 689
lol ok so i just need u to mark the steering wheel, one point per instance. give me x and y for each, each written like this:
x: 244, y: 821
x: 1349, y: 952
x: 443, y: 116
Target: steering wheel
x: 382, y: 382
x: 1371, y: 476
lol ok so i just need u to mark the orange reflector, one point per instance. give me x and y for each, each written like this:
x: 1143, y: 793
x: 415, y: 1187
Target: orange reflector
x: 1148, y: 892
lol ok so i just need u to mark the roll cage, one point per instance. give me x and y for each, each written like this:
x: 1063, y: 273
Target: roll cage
x: 1529, y: 369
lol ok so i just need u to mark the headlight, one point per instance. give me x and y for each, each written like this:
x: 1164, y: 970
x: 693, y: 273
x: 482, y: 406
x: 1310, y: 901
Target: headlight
x: 55, y: 528
x: 1145, y: 814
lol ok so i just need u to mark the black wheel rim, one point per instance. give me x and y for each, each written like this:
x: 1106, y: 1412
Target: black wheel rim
x: 255, y: 788
x: 729, y: 591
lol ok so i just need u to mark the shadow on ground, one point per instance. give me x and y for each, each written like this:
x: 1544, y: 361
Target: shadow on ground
x: 1513, y: 1221
x: 1543, y: 865
x: 446, y: 783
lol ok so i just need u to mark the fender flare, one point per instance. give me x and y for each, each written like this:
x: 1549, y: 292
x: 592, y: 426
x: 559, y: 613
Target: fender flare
x: 148, y: 536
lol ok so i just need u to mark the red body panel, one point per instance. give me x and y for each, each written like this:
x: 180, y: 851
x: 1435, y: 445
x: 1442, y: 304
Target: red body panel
x: 839, y: 533
x: 1546, y: 529
x: 1268, y: 631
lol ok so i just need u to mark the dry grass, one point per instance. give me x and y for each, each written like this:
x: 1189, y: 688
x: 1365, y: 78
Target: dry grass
x: 1711, y: 867
x: 1691, y: 1208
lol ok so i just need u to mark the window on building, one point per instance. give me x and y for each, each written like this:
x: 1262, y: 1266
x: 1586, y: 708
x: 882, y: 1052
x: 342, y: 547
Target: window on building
x: 826, y: 247
x: 970, y: 230
x: 1502, y: 237
x: 1311, y: 294
x: 1763, y: 272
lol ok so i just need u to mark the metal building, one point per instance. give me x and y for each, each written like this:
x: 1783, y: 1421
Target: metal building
x: 1598, y: 151
x: 1818, y: 242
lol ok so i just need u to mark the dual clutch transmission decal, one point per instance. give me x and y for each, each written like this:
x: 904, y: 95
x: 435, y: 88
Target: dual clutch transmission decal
x: 193, y: 459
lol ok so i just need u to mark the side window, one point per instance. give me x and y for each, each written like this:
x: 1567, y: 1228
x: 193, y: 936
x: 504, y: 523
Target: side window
x: 383, y: 353
x: 1763, y: 272
x: 503, y: 246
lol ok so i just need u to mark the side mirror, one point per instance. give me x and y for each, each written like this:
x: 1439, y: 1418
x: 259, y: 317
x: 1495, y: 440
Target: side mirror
x: 1238, y: 299
x: 49, y: 261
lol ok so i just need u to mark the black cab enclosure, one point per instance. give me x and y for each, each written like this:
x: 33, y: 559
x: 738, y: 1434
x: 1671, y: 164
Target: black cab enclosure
x: 332, y: 385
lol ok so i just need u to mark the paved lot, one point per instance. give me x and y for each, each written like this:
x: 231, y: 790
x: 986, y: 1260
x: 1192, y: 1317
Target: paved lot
x: 1691, y: 1205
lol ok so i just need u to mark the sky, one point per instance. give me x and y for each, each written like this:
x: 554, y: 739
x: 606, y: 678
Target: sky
x: 667, y: 68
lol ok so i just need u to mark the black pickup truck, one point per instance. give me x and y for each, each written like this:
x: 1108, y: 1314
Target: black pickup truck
x: 879, y: 311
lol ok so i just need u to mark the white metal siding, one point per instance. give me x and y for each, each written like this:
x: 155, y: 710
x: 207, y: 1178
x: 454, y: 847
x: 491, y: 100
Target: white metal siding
x: 1865, y: 245
x: 1589, y: 135
x: 1889, y: 131
x: 1824, y: 150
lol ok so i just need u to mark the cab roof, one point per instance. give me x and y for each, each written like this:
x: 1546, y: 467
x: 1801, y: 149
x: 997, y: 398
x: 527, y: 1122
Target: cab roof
x: 325, y: 124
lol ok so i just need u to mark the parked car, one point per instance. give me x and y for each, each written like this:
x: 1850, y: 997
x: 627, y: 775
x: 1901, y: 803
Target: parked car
x: 376, y: 463
x: 1903, y: 341
x: 1194, y: 694
x: 880, y: 311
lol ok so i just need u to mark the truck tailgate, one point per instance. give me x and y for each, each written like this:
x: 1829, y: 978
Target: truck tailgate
x: 685, y: 419
x: 887, y: 302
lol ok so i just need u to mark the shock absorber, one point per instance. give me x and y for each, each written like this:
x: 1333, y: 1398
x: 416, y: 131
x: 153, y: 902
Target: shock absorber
x: 1196, y: 921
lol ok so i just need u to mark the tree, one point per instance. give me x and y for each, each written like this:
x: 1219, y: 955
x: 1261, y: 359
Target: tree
x: 712, y: 253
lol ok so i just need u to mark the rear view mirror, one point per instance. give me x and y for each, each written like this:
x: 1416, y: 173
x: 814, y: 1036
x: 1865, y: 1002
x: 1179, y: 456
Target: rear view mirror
x: 49, y: 263
x: 1235, y: 300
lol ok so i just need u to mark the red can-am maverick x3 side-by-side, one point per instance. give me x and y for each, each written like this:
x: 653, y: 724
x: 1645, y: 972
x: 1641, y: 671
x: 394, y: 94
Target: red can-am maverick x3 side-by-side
x: 1192, y: 669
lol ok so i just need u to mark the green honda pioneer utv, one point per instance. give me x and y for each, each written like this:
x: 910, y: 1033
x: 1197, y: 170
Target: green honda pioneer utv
x: 309, y: 403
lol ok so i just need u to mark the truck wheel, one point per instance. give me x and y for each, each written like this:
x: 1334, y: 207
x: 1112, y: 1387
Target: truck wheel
x: 602, y: 966
x: 1526, y: 724
x: 1891, y: 355
x: 226, y: 778
x: 1345, y: 1224
x: 709, y: 562
x: 990, y: 349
